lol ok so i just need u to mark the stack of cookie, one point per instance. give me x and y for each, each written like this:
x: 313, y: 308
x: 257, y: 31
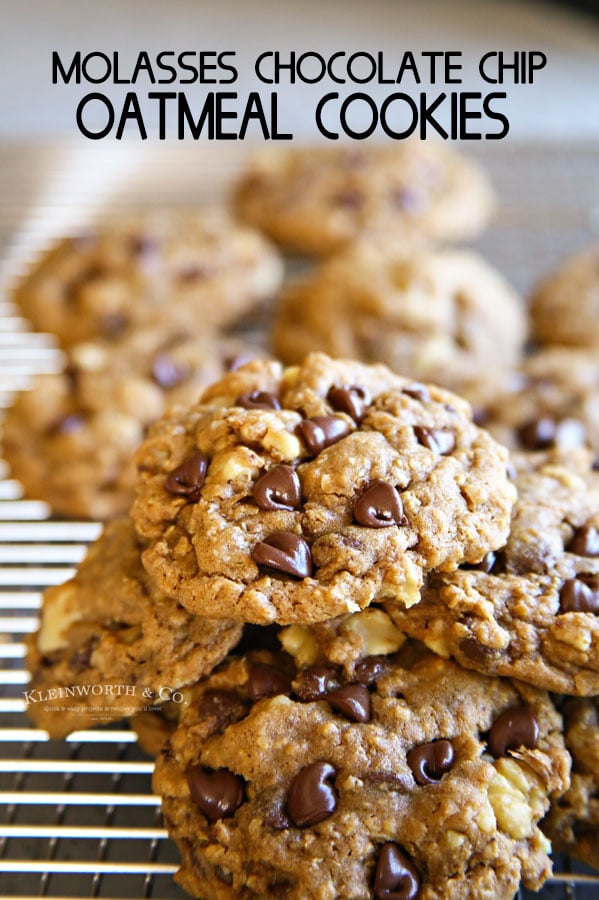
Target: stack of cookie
x: 289, y: 524
x: 336, y: 606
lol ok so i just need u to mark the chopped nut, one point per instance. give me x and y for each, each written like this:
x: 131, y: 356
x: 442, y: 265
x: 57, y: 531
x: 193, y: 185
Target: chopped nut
x: 454, y: 839
x: 378, y: 633
x: 60, y: 612
x: 510, y: 795
x: 285, y: 443
x: 408, y: 591
x: 298, y: 641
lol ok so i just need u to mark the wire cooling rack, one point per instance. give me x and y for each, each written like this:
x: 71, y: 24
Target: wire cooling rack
x: 77, y: 818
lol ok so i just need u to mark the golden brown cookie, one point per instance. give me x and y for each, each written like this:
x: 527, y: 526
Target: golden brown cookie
x: 70, y: 439
x: 295, y: 495
x: 530, y: 611
x: 110, y: 645
x: 315, y: 200
x: 158, y: 269
x: 424, y: 782
x: 565, y: 304
x: 444, y: 316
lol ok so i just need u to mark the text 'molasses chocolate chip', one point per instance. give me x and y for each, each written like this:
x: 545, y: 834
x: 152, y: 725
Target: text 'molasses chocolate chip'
x: 429, y: 762
x: 311, y: 797
x: 516, y: 727
x: 285, y: 552
x: 580, y: 595
x: 258, y: 400
x: 379, y: 506
x: 395, y: 877
x: 279, y: 488
x: 438, y: 440
x: 187, y: 479
x: 351, y: 399
x: 319, y: 432
x: 218, y: 793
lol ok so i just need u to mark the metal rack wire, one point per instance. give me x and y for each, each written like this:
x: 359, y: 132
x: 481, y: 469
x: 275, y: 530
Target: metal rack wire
x: 77, y: 818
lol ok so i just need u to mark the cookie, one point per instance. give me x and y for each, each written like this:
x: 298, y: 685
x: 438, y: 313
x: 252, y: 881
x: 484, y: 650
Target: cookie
x: 564, y: 306
x: 425, y: 782
x: 70, y: 440
x: 295, y: 495
x: 573, y: 820
x: 157, y: 269
x: 530, y: 611
x: 316, y: 200
x: 110, y: 645
x: 437, y: 316
x: 551, y: 400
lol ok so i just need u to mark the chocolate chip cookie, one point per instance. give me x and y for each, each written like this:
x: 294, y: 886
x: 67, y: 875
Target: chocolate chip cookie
x: 110, y: 645
x: 422, y: 782
x: 295, y: 495
x: 70, y: 440
x: 565, y: 305
x: 530, y: 611
x: 437, y: 316
x: 158, y: 269
x: 551, y: 400
x: 573, y: 821
x: 315, y: 200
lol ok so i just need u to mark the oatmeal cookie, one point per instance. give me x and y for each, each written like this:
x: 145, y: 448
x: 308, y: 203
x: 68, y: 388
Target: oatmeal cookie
x: 299, y: 494
x: 551, y: 400
x: 155, y: 269
x: 315, y: 200
x: 70, y: 439
x: 565, y: 305
x: 110, y: 644
x: 531, y: 610
x: 437, y: 316
x: 425, y: 781
x: 573, y: 821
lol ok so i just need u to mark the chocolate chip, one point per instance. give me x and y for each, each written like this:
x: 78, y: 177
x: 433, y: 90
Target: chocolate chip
x: 259, y: 637
x: 113, y: 324
x: 349, y: 200
x: 353, y: 700
x: 429, y: 762
x: 351, y: 399
x: 279, y: 488
x: 474, y: 650
x: 537, y: 434
x: 218, y: 708
x: 379, y: 505
x: 319, y: 432
x: 314, y: 682
x: 311, y: 798
x: 143, y: 245
x: 187, y: 479
x: 585, y: 541
x: 267, y: 681
x: 480, y: 416
x: 438, y: 440
x: 516, y: 727
x: 233, y: 363
x: 407, y: 199
x: 81, y: 658
x: 285, y: 552
x: 395, y: 877
x: 69, y: 424
x: 369, y: 670
x: 167, y: 372
x: 193, y: 272
x: 577, y: 595
x: 218, y: 793
x: 417, y: 391
x: 485, y: 565
x: 258, y: 400
x: 276, y: 819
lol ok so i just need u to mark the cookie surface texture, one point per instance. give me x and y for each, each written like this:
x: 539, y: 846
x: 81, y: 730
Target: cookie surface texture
x: 300, y: 494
